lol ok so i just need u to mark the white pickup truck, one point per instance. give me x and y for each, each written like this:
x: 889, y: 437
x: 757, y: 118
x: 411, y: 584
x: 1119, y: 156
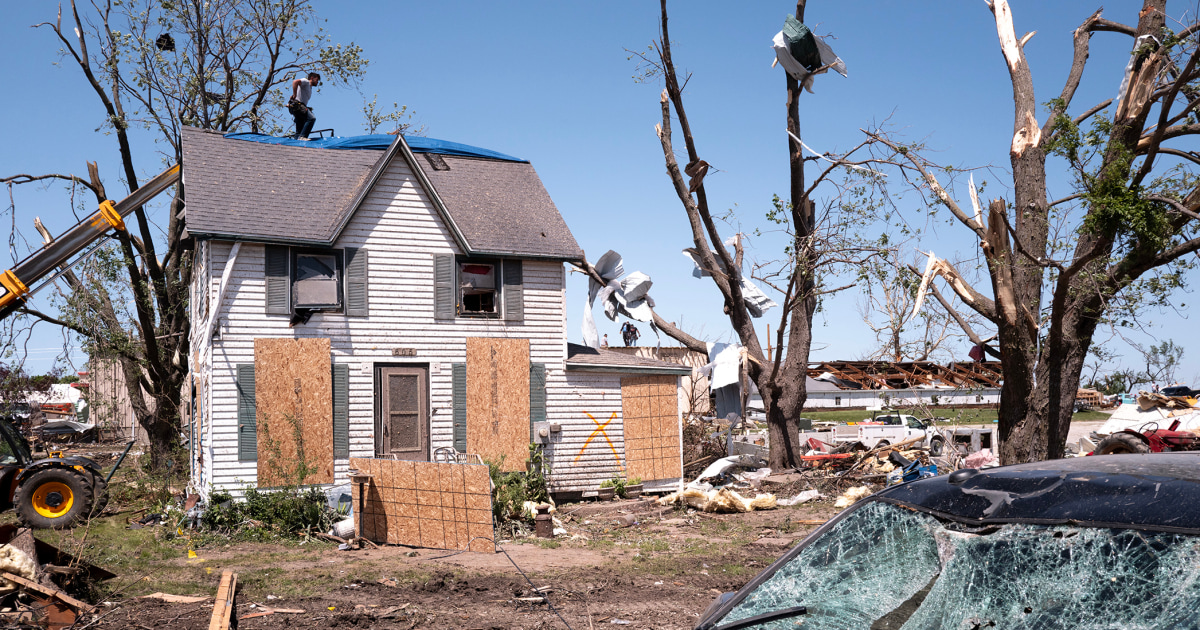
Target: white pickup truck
x: 890, y: 429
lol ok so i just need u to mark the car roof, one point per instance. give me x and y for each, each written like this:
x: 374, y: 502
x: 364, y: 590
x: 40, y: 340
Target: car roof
x: 1157, y: 491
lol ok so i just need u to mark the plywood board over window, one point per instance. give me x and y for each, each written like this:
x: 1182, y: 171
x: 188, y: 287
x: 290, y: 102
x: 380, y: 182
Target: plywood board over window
x: 425, y: 504
x: 293, y: 387
x: 650, y: 411
x: 498, y: 400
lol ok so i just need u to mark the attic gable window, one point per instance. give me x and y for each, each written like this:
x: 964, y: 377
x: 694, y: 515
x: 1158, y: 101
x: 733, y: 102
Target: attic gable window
x: 478, y: 289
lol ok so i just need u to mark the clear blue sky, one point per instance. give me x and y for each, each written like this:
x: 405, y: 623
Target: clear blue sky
x: 551, y: 82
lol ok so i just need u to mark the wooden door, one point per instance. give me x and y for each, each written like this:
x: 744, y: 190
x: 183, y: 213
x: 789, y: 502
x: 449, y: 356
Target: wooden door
x: 402, y: 429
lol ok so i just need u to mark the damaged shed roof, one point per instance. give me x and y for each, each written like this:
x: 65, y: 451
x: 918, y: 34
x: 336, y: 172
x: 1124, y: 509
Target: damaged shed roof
x: 251, y: 187
x: 587, y: 359
x: 907, y: 374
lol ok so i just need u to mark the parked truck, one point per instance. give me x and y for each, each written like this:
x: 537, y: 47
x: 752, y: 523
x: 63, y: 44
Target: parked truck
x: 889, y: 429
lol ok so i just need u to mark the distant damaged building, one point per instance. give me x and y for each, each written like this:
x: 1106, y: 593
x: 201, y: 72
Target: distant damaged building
x: 864, y: 384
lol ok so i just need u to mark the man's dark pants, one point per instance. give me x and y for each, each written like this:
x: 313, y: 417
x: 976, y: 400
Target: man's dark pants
x: 304, y: 122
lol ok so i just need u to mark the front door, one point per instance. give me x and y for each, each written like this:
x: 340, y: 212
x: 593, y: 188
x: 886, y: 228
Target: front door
x: 402, y: 429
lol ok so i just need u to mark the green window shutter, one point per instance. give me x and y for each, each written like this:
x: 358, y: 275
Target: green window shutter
x: 279, y: 280
x: 341, y: 411
x: 514, y: 298
x: 247, y: 414
x: 443, y: 286
x: 356, y: 281
x: 458, y: 373
x: 537, y: 395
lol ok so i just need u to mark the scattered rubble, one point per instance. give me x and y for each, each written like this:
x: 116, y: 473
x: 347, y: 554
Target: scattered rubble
x: 723, y: 500
x: 852, y: 496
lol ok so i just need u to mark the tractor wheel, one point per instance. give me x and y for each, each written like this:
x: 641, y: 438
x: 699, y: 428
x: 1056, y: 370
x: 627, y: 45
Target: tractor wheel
x: 937, y: 446
x: 53, y: 498
x: 1121, y: 443
x: 100, y: 491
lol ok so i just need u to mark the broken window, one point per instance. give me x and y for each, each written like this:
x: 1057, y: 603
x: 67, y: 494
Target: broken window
x: 888, y: 567
x: 316, y: 280
x: 478, y: 288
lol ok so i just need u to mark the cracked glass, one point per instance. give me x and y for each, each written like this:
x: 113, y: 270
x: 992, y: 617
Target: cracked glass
x: 886, y: 567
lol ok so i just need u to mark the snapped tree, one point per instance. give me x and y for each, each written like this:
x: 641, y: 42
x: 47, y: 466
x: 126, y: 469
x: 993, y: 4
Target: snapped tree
x: 818, y: 244
x: 154, y: 67
x: 1129, y: 225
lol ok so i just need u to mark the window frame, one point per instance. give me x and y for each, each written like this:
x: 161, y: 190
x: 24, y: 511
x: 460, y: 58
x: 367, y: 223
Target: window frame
x: 498, y: 278
x: 339, y: 257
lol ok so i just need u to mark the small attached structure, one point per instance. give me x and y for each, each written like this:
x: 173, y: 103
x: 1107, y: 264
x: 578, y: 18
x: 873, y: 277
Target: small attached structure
x: 383, y: 297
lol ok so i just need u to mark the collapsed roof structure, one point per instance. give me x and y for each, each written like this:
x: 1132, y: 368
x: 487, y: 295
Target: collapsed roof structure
x: 907, y: 375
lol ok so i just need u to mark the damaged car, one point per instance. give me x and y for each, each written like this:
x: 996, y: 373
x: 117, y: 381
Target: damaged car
x: 1088, y: 542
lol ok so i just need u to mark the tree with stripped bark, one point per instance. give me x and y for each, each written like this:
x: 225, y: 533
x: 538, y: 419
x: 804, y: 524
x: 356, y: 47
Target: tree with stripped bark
x: 154, y: 67
x: 1120, y: 241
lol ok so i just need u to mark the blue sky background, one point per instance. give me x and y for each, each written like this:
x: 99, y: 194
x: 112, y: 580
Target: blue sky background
x: 552, y: 82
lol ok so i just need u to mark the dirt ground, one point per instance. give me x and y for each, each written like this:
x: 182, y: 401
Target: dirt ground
x: 661, y: 573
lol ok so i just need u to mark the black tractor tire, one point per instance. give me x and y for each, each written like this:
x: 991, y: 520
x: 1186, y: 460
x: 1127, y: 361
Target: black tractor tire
x: 937, y: 446
x: 54, y: 498
x: 1121, y: 443
x: 100, y: 491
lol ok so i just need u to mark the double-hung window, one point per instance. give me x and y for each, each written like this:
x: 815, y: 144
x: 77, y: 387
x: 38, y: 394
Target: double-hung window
x: 478, y: 289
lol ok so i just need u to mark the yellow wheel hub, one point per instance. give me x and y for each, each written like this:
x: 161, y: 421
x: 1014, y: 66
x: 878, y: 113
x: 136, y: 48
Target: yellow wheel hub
x: 53, y: 499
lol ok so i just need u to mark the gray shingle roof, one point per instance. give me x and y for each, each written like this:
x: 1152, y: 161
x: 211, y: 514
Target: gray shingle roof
x: 593, y: 359
x: 250, y: 190
x: 265, y: 192
x: 502, y: 207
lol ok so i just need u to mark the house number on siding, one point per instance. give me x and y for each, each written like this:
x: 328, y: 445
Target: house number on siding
x: 404, y: 352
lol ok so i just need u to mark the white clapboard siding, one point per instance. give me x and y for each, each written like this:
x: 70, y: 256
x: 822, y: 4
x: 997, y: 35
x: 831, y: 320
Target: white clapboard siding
x: 401, y: 231
x: 573, y: 399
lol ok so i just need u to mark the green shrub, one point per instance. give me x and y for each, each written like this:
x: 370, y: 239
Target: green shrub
x: 513, y: 489
x: 283, y: 511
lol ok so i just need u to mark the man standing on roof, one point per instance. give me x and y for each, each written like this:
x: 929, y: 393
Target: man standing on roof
x: 298, y: 104
x: 629, y: 334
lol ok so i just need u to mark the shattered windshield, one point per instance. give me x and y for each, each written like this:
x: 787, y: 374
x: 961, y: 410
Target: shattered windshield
x: 886, y: 567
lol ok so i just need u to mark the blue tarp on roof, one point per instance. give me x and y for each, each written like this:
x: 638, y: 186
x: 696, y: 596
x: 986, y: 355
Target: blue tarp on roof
x: 380, y: 141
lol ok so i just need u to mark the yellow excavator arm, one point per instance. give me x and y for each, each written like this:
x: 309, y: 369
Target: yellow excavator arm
x: 18, y: 280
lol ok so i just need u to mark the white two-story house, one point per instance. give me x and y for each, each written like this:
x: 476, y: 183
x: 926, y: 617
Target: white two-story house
x: 392, y: 297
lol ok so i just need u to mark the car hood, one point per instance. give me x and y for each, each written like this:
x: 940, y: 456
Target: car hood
x: 1155, y: 492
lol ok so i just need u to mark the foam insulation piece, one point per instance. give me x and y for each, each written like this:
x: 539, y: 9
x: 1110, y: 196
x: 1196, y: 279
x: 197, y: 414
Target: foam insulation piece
x: 723, y: 500
x: 16, y: 562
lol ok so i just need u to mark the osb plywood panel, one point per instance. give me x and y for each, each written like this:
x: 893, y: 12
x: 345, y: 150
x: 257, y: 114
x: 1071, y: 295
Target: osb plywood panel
x: 649, y: 406
x: 293, y: 391
x: 498, y: 400
x: 426, y: 504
